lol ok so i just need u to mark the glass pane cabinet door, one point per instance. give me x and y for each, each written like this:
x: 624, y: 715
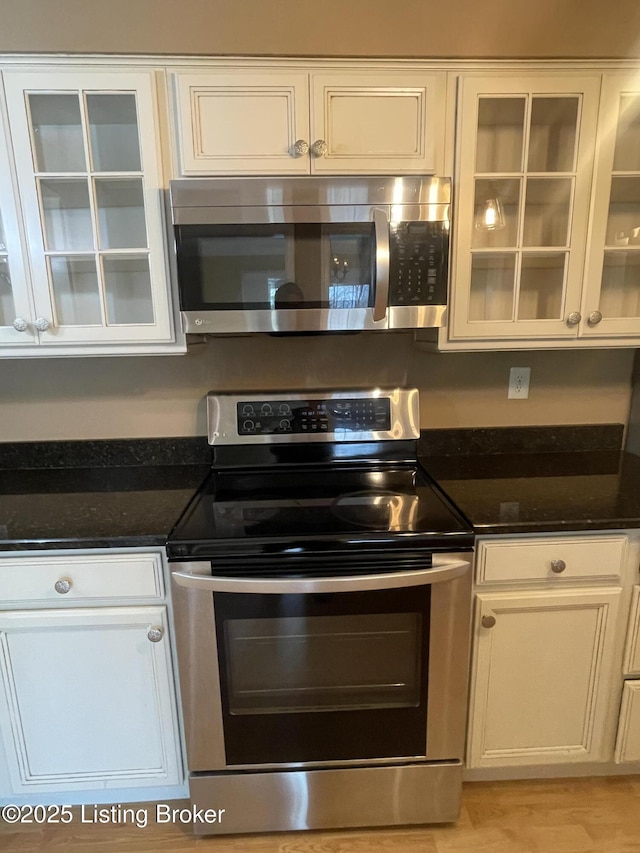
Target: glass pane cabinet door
x: 16, y: 329
x: 523, y: 206
x: 85, y: 150
x: 613, y: 277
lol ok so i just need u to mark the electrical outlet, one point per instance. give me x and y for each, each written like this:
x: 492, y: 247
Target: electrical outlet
x: 519, y: 383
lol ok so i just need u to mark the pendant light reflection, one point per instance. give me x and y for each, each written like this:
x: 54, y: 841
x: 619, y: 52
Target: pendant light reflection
x: 490, y: 216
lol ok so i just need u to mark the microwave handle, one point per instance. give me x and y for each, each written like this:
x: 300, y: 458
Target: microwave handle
x: 381, y: 231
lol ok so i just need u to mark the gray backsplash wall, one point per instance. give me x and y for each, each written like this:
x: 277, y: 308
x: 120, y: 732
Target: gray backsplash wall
x: 74, y: 398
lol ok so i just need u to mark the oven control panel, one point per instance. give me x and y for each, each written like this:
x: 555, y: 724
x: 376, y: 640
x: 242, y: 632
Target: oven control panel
x: 308, y: 417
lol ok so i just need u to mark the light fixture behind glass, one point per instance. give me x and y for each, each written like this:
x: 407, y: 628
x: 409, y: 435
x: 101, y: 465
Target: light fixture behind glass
x: 489, y: 215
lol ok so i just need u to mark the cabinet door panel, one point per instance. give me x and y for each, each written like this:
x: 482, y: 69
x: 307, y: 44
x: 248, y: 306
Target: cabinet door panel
x: 632, y: 649
x: 523, y: 205
x: 541, y: 689
x: 376, y: 123
x: 612, y: 292
x: 628, y: 742
x: 88, y: 699
x: 15, y: 301
x: 86, y: 154
x: 242, y: 122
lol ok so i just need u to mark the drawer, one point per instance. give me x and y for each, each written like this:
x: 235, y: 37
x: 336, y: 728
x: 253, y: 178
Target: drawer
x: 628, y: 740
x: 85, y: 577
x: 632, y: 648
x: 553, y: 558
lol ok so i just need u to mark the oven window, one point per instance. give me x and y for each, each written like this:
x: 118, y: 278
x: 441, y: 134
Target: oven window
x: 266, y: 267
x: 323, y: 663
x: 322, y: 677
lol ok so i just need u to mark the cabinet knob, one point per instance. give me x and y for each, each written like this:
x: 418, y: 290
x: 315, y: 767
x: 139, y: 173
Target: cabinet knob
x: 319, y: 148
x: 574, y: 318
x: 155, y: 634
x: 20, y: 324
x: 488, y: 621
x: 558, y: 566
x: 63, y: 585
x: 42, y: 324
x: 299, y: 148
x: 594, y: 318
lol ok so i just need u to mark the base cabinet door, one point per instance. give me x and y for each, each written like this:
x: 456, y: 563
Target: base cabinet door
x: 542, y: 677
x: 628, y: 742
x: 86, y: 699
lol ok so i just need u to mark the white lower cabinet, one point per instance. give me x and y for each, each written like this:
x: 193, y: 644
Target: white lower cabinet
x: 628, y: 743
x: 550, y: 618
x: 542, y: 669
x: 87, y: 696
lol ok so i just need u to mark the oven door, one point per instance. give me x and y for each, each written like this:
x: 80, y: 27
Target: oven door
x: 285, y: 269
x: 314, y: 671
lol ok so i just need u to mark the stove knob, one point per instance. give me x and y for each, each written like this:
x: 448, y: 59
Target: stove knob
x: 266, y: 409
x: 248, y: 425
x: 285, y: 424
x: 247, y: 411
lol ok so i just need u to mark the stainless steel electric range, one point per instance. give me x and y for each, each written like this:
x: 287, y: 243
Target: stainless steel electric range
x: 321, y: 586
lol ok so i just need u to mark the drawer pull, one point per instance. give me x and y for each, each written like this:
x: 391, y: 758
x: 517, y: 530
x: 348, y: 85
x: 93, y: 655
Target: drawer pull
x: 558, y: 566
x: 155, y: 634
x: 63, y: 585
x: 488, y: 621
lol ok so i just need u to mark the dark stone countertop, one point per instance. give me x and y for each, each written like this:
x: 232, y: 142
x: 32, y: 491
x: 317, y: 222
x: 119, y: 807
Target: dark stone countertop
x: 540, y: 492
x: 107, y: 494
x: 96, y: 494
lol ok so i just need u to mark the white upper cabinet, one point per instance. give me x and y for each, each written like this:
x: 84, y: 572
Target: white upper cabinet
x: 15, y: 303
x: 85, y: 145
x: 525, y: 158
x: 270, y: 121
x: 612, y: 293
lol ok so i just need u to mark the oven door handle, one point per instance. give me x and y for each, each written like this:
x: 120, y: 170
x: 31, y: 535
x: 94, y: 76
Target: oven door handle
x: 441, y: 572
x: 381, y: 230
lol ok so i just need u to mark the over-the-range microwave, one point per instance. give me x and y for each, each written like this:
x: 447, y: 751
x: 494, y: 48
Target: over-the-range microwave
x: 290, y: 255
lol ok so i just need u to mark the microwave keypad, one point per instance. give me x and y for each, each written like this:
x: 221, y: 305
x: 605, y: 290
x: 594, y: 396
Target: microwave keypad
x: 257, y: 417
x: 415, y: 259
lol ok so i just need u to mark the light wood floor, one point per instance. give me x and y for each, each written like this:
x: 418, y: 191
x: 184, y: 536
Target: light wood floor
x: 558, y: 816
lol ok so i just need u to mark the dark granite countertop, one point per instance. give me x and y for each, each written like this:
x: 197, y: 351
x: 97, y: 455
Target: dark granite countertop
x: 96, y: 494
x: 543, y: 483
x: 105, y: 494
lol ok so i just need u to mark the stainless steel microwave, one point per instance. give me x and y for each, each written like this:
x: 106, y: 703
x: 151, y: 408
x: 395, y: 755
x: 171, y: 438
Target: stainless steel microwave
x: 290, y: 255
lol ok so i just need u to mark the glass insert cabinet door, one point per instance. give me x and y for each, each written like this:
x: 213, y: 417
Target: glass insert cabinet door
x: 523, y: 206
x: 15, y: 304
x: 85, y: 152
x: 612, y: 299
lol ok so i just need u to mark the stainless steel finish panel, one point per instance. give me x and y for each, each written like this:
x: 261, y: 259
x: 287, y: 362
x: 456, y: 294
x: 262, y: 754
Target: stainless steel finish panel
x: 278, y: 214
x: 287, y: 321
x: 416, y: 316
x: 449, y: 639
x: 449, y: 653
x: 222, y: 416
x: 195, y: 633
x: 313, y: 320
x: 302, y: 191
x: 322, y: 799
x: 443, y: 570
x: 381, y: 225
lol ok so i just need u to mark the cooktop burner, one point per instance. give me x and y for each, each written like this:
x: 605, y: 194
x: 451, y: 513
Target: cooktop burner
x: 313, y: 497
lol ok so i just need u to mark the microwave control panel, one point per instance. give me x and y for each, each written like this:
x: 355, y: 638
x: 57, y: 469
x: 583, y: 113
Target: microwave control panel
x: 418, y: 260
x: 275, y: 417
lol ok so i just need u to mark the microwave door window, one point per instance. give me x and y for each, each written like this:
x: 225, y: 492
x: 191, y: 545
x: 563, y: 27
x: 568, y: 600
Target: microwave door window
x: 332, y: 268
x: 349, y: 252
x: 233, y: 267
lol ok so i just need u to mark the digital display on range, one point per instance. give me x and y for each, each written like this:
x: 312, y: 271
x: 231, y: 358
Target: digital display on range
x: 279, y: 417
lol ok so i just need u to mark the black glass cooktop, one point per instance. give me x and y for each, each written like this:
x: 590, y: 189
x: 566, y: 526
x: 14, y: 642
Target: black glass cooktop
x: 302, y: 508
